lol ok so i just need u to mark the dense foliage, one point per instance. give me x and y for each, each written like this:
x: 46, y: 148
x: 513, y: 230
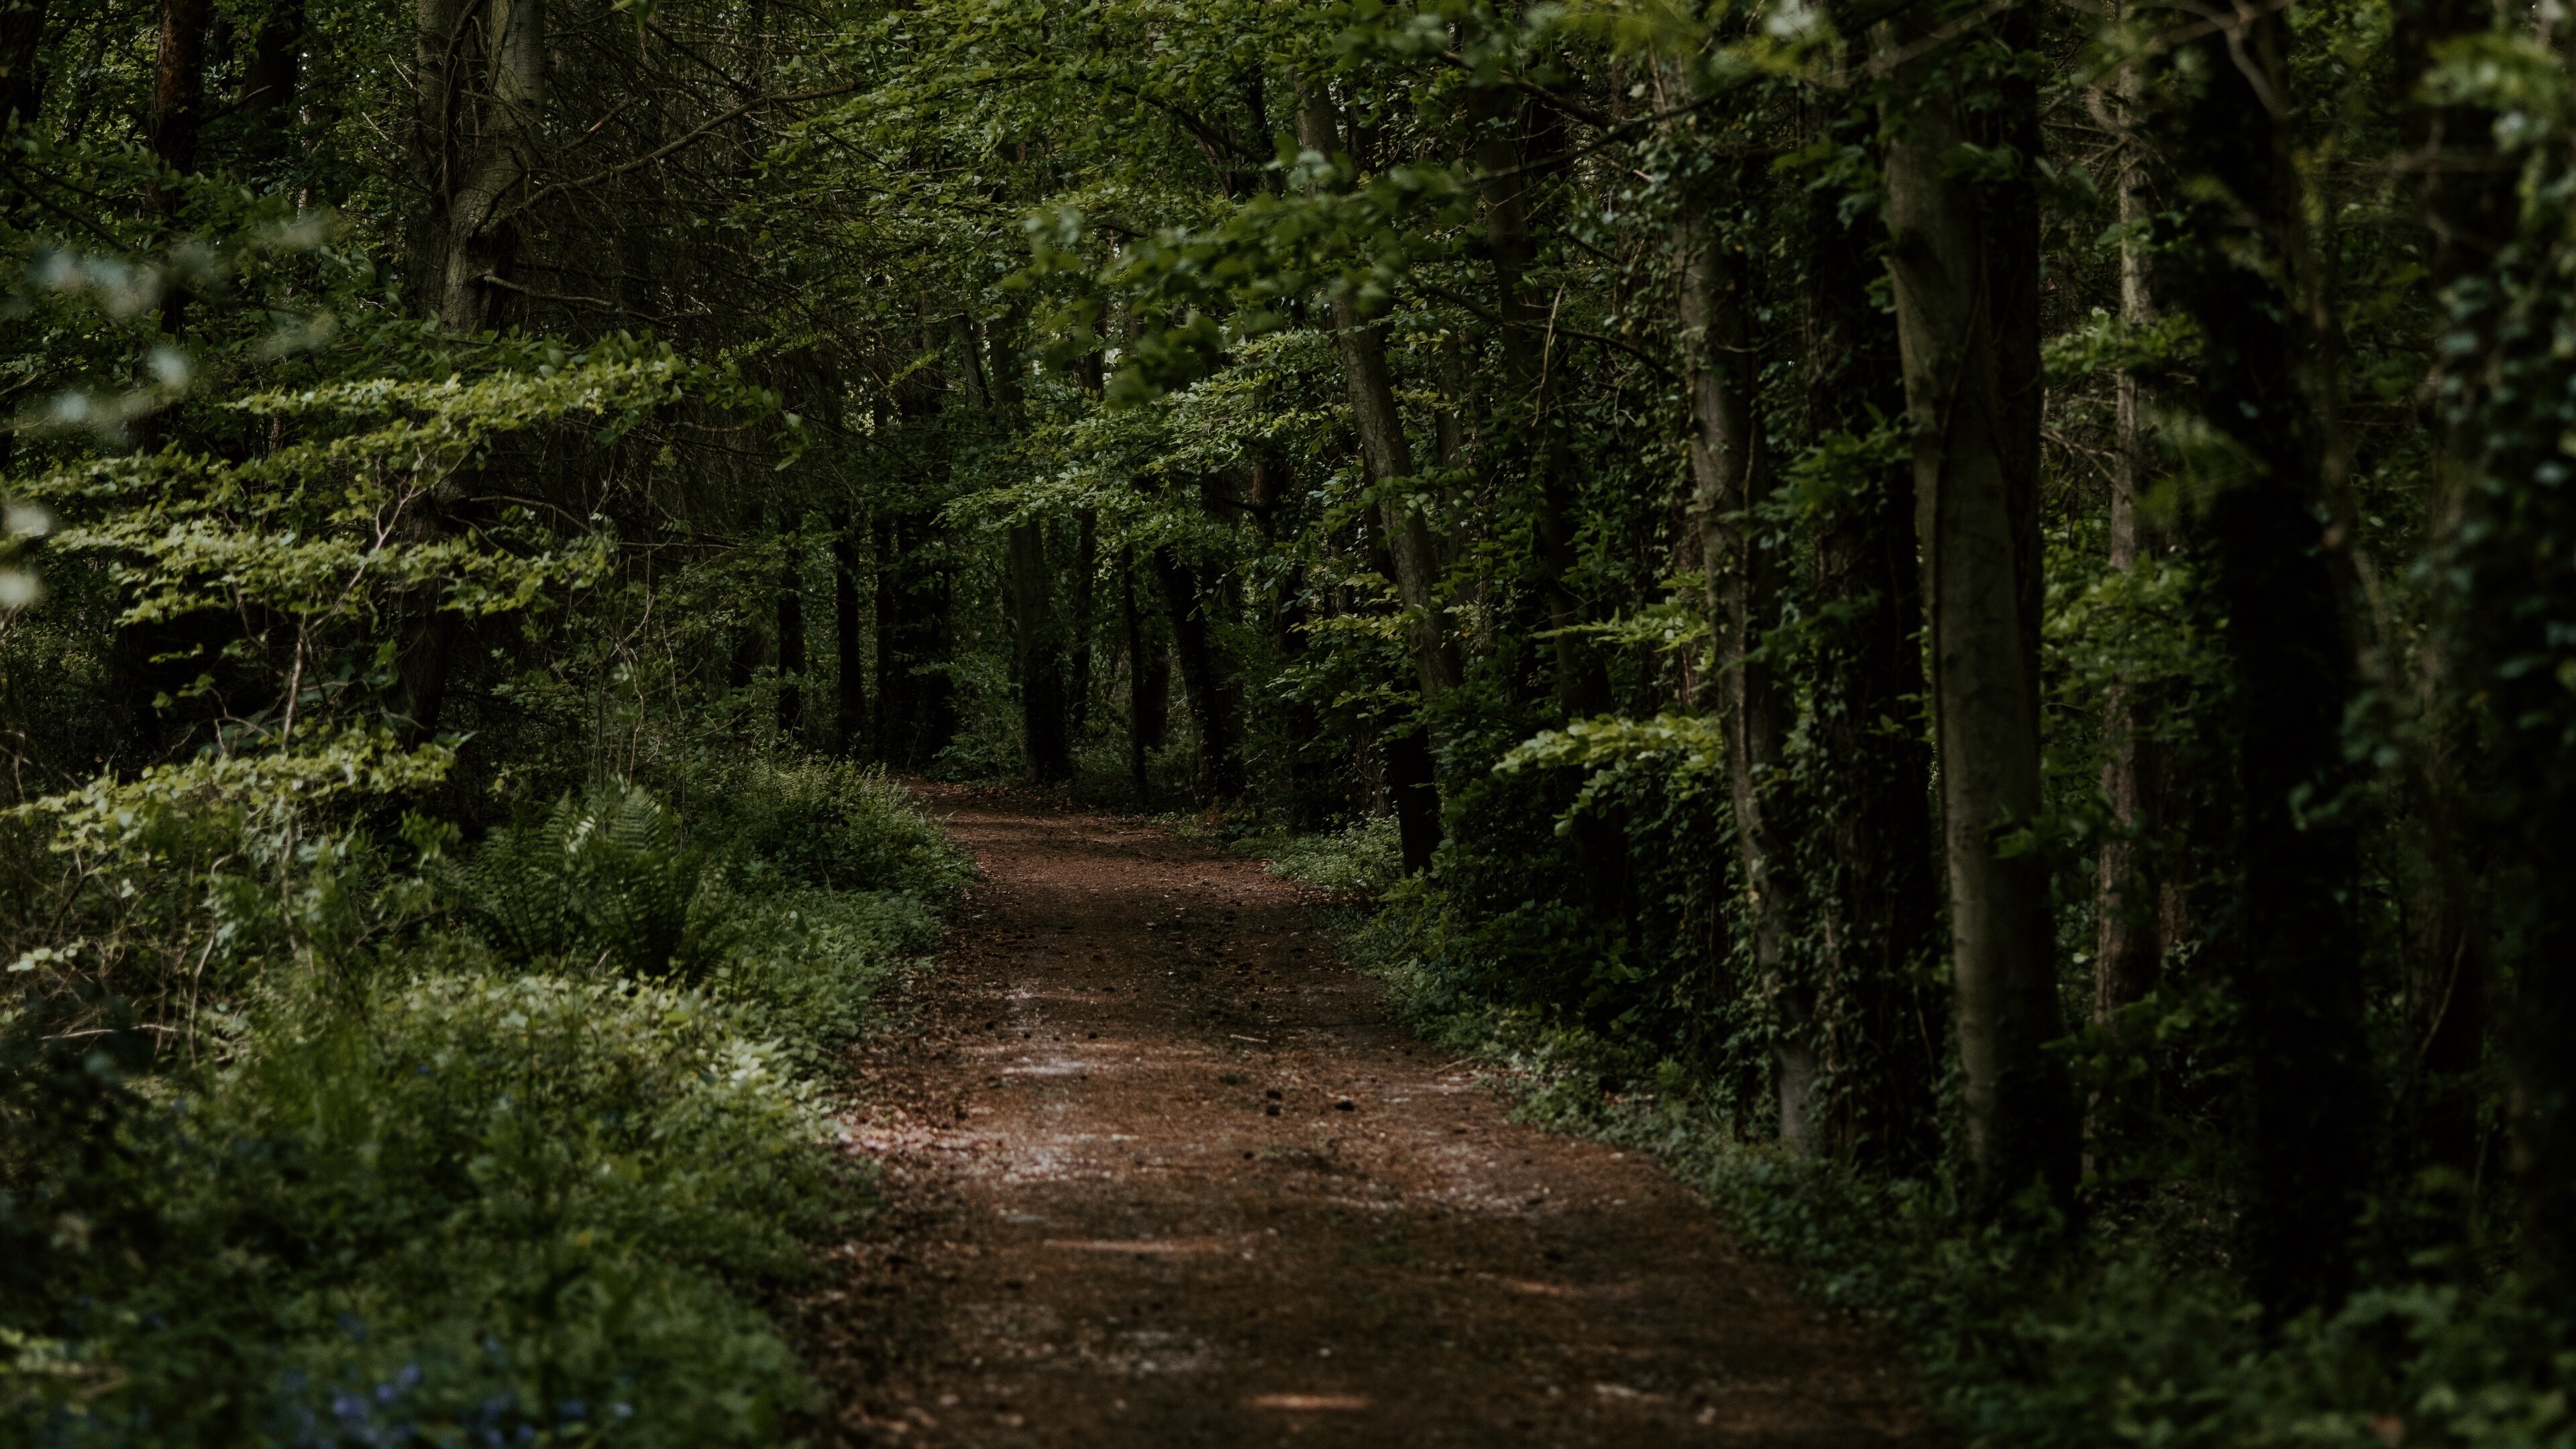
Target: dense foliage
x: 1958, y: 613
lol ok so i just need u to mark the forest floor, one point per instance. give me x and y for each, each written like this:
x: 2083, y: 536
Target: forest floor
x: 1160, y: 1169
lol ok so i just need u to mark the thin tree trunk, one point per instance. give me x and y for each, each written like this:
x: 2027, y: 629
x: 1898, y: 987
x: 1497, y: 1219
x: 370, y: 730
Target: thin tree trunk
x: 1086, y: 567
x: 1501, y: 117
x: 2128, y: 945
x: 1144, y: 695
x: 1220, y: 759
x: 1971, y: 506
x: 1387, y: 453
x: 1412, y: 775
x: 850, y: 683
x: 1729, y: 468
x: 791, y: 654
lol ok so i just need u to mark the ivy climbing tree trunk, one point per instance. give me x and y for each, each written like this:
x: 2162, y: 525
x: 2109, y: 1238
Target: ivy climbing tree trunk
x: 1729, y: 465
x: 1878, y: 915
x: 1970, y: 436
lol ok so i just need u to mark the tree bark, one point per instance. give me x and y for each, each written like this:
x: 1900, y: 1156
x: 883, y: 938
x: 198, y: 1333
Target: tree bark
x: 1202, y: 684
x: 2128, y: 903
x: 1413, y: 788
x: 2299, y: 977
x: 791, y: 653
x: 849, y: 683
x: 1037, y: 638
x: 276, y: 62
x: 1729, y: 472
x: 1086, y: 568
x: 22, y: 80
x: 1387, y: 454
x: 1504, y: 122
x: 478, y: 241
x: 916, y: 696
x: 1972, y: 434
x: 1879, y: 913
x: 178, y: 110
x: 1145, y: 685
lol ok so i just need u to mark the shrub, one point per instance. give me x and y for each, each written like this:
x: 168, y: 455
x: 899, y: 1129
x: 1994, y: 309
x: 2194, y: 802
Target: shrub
x: 514, y: 1173
x: 822, y: 825
x: 1362, y: 858
x: 598, y: 881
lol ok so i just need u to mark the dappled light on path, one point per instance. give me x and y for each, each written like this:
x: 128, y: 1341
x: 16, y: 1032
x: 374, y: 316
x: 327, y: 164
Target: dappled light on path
x: 1160, y: 1170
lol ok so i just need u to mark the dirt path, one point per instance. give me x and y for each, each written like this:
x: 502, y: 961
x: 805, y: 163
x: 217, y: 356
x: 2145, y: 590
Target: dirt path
x: 1160, y: 1172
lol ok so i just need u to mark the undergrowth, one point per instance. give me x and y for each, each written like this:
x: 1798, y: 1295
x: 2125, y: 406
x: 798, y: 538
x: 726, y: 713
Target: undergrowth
x: 2027, y: 1334
x: 506, y: 1144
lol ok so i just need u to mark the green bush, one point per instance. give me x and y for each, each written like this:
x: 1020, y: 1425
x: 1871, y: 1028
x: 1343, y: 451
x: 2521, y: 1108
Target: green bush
x: 518, y: 1174
x: 1363, y: 858
x: 804, y: 965
x: 602, y: 881
x: 822, y: 825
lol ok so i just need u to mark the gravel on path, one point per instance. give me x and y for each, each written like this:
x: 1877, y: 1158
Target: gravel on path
x: 1159, y: 1169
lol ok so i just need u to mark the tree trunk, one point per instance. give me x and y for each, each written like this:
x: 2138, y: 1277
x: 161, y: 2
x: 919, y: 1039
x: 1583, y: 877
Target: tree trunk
x: 1202, y: 686
x: 1086, y: 567
x: 850, y: 684
x: 1413, y: 789
x: 269, y: 81
x: 2300, y: 974
x: 1503, y: 121
x: 1387, y: 454
x: 1145, y: 685
x: 2471, y: 215
x: 2128, y: 943
x: 22, y: 82
x: 1879, y: 913
x: 178, y: 109
x: 1972, y: 433
x: 916, y: 697
x: 791, y: 654
x: 1037, y: 638
x: 478, y: 241
x: 1729, y: 473
x: 438, y: 81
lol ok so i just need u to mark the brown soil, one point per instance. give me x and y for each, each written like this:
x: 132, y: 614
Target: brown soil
x: 1159, y: 1170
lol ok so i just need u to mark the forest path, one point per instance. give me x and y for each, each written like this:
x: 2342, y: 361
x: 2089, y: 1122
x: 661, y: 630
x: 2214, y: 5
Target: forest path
x: 1160, y: 1170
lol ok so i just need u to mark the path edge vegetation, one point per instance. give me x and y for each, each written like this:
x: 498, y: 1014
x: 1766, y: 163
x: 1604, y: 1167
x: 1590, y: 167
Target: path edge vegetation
x: 1972, y: 595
